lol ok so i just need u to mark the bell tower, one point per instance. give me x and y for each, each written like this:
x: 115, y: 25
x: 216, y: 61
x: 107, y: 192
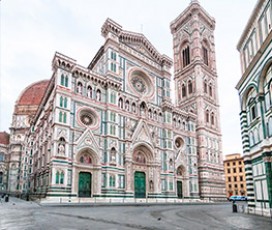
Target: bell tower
x: 196, y: 92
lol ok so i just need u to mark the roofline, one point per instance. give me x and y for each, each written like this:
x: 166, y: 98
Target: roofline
x: 249, y: 23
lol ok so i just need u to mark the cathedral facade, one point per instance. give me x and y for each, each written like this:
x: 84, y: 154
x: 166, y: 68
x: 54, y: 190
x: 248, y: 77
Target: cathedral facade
x: 111, y: 130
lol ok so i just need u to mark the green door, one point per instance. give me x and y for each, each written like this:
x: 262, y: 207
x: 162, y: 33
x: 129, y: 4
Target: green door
x: 85, y: 184
x: 139, y: 184
x: 179, y: 187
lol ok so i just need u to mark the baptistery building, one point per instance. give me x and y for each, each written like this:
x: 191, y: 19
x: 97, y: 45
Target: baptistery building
x: 110, y: 129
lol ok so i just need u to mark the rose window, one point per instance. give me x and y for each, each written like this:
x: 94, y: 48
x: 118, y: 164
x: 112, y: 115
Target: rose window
x: 88, y: 117
x: 141, y: 83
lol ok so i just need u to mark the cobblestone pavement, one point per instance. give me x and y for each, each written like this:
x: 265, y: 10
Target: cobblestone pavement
x: 18, y: 214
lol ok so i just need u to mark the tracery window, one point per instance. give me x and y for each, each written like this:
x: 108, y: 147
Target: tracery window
x: 186, y: 56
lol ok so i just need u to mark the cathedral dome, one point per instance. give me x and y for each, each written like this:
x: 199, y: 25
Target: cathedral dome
x: 31, y: 97
x: 4, y: 138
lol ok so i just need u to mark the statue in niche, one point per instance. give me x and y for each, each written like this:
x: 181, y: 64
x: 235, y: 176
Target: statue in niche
x: 61, y: 149
x: 151, y: 185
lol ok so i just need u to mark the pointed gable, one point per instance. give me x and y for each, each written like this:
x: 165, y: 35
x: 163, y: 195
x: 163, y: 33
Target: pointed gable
x: 142, y: 133
x: 136, y: 41
x: 87, y: 139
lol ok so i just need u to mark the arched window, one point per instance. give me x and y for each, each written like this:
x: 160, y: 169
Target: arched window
x: 61, y: 101
x: 120, y: 103
x: 2, y: 157
x: 64, y: 118
x: 183, y: 90
x: 62, y: 80
x: 210, y: 90
x: 127, y: 105
x: 205, y: 55
x: 190, y: 87
x: 155, y: 115
x: 212, y: 118
x: 62, y: 178
x: 98, y: 95
x: 186, y: 56
x: 143, y: 107
x: 66, y: 81
x: 79, y: 88
x: 207, y: 116
x: 60, y: 116
x: 150, y: 113
x: 205, y: 87
x: 65, y: 102
x: 89, y: 92
x: 57, y: 177
x: 133, y: 107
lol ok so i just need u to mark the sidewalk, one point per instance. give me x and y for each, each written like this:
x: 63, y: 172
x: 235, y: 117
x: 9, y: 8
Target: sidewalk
x: 15, y: 202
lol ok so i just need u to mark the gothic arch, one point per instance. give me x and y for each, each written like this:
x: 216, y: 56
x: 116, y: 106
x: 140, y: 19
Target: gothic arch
x: 267, y: 65
x: 146, y: 149
x: 246, y: 93
x: 88, y: 152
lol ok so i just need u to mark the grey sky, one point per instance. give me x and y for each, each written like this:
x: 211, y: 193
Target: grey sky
x: 32, y: 30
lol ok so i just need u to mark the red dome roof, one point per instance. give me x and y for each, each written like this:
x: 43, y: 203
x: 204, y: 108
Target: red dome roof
x: 4, y: 138
x: 33, y: 94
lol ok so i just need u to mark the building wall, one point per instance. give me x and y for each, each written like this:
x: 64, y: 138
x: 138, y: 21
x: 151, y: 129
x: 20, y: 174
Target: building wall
x: 235, y: 175
x: 255, y: 96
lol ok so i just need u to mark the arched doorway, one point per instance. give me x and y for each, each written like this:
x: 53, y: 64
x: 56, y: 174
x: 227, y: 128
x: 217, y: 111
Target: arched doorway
x: 180, y: 177
x: 85, y: 184
x: 140, y: 185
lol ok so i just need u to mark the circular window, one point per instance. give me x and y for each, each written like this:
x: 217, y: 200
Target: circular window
x: 179, y: 142
x: 141, y: 83
x: 138, y: 85
x: 88, y: 117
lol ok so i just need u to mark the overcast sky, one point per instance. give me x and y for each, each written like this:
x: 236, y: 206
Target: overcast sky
x: 33, y: 30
